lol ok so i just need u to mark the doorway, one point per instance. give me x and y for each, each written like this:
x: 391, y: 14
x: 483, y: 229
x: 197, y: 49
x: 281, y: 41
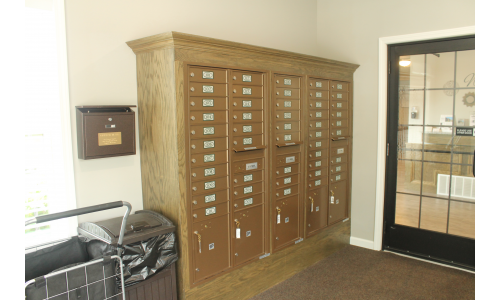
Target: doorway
x: 430, y: 185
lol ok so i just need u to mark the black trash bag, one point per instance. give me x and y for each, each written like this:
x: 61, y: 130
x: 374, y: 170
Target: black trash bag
x: 154, y: 255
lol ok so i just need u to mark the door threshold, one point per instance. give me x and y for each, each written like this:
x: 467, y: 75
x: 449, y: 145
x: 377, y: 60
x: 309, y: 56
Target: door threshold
x: 430, y: 261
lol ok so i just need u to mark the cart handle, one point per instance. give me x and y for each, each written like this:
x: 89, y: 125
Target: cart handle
x: 86, y: 210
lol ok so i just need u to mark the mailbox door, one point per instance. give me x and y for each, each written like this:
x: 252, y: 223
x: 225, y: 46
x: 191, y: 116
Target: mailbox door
x: 337, y: 204
x: 316, y: 209
x: 287, y: 229
x: 251, y: 243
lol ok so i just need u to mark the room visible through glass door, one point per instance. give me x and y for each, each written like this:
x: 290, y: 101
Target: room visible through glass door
x: 430, y: 187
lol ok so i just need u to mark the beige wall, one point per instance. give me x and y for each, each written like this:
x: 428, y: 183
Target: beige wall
x: 349, y: 30
x: 102, y: 67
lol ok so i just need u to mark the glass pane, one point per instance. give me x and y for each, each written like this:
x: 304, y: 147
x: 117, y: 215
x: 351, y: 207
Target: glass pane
x: 436, y: 179
x: 411, y: 106
x: 410, y: 142
x: 412, y: 74
x: 409, y: 176
x: 465, y: 106
x: 463, y: 186
x: 462, y: 219
x: 434, y: 215
x: 438, y: 145
x: 466, y: 63
x: 407, y: 209
x: 439, y: 109
x: 440, y: 70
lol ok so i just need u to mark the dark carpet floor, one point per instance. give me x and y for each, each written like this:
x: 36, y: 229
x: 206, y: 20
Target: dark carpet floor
x: 358, y: 273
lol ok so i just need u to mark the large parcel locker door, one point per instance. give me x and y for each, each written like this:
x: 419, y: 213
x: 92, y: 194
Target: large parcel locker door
x: 248, y: 234
x: 337, y: 205
x: 286, y: 221
x: 316, y: 210
x: 211, y: 247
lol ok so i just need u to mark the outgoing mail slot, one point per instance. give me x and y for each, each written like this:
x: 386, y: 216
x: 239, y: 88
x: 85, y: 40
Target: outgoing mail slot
x: 247, y: 116
x: 207, y: 89
x: 202, y: 214
x: 203, y: 173
x: 287, y: 170
x: 246, y: 202
x: 339, y: 96
x: 316, y: 210
x: 339, y: 86
x: 284, y: 104
x: 208, y: 158
x: 286, y: 127
x: 317, y: 164
x: 318, y: 124
x: 286, y: 93
x: 204, y: 75
x: 318, y: 95
x: 317, y: 182
x: 247, y: 91
x: 246, y: 78
x: 287, y: 115
x: 339, y: 132
x: 210, y: 247
x: 338, y: 168
x: 287, y: 138
x: 318, y: 134
x: 248, y: 142
x: 207, y: 103
x: 208, y: 145
x: 337, y: 205
x: 318, y: 84
x: 207, y: 131
x: 284, y: 81
x: 286, y: 191
x: 246, y: 104
x: 240, y: 129
x: 209, y: 199
x: 247, y: 165
x: 287, y: 180
x: 247, y: 178
x: 319, y: 105
x: 286, y: 225
x: 317, y: 173
x: 206, y: 118
x: 318, y: 114
x: 287, y: 159
x: 208, y: 185
x: 249, y: 189
x: 250, y: 244
x: 318, y: 144
x: 338, y: 177
x: 338, y: 105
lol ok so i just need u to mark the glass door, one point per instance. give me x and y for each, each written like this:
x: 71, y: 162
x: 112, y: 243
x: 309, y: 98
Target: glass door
x: 430, y: 184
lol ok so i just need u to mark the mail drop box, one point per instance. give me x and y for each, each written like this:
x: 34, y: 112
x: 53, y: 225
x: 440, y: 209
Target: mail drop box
x: 105, y: 131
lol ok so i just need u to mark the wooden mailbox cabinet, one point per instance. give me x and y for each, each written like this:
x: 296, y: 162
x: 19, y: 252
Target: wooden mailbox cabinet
x: 247, y: 150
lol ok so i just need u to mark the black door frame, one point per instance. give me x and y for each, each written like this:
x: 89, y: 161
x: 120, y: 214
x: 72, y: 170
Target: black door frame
x: 421, y: 243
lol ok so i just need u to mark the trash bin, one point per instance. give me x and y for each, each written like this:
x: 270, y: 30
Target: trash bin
x: 150, y: 248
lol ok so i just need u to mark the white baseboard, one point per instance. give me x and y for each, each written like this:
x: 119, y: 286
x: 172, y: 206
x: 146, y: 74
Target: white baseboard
x: 361, y: 243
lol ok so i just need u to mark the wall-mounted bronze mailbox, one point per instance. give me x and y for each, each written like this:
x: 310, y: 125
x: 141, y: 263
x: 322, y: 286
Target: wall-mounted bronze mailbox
x: 105, y: 131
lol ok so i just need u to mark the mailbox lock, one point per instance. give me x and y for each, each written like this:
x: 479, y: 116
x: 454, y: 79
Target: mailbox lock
x: 235, y: 117
x: 311, y: 94
x: 195, y: 188
x: 310, y: 84
x: 235, y: 129
x: 310, y: 166
x: 234, y: 77
x: 277, y: 183
x: 277, y: 104
x: 195, y: 216
x: 277, y: 138
x: 277, y: 93
x: 278, y: 172
x: 235, y: 142
x: 197, y: 270
x: 192, y: 89
x: 193, y: 146
x: 310, y: 115
x: 310, y: 135
x: 195, y: 202
x: 235, y: 205
x: 277, y: 116
x: 234, y: 104
x: 277, y: 81
x: 194, y: 174
x: 193, y: 132
x: 310, y: 105
x: 192, y: 103
x: 310, y: 125
x: 332, y: 161
x: 310, y: 146
x: 234, y: 91
x: 236, y: 193
x: 310, y: 175
x: 236, y: 254
x: 309, y: 225
x: 310, y: 155
x: 192, y: 74
x: 277, y: 194
x: 110, y: 119
x: 236, y: 181
x: 193, y: 160
x: 193, y: 118
x: 277, y: 127
x: 277, y: 238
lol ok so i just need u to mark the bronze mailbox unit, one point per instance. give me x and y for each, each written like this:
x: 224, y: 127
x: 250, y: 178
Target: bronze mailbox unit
x: 247, y: 150
x: 105, y: 131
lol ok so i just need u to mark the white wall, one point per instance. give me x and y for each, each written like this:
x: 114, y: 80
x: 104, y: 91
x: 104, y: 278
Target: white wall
x: 349, y: 30
x: 102, y: 68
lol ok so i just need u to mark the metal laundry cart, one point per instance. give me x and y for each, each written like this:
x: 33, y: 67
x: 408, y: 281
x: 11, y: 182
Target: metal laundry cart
x: 65, y: 273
